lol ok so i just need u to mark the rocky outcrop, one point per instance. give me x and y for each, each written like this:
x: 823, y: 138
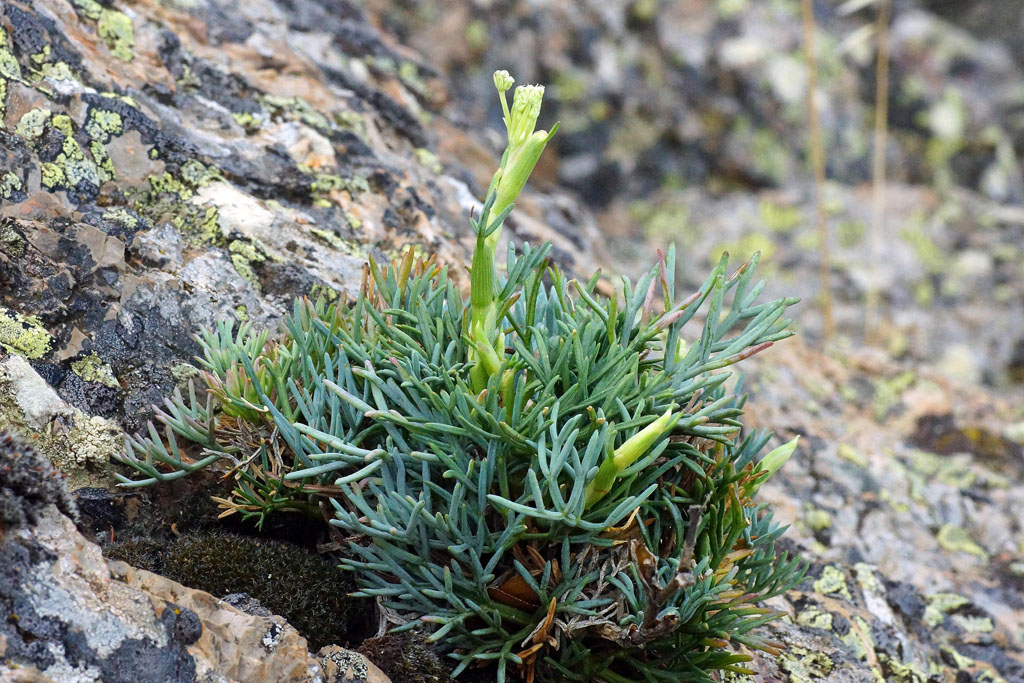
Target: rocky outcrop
x: 170, y: 165
x: 70, y: 615
x: 166, y: 165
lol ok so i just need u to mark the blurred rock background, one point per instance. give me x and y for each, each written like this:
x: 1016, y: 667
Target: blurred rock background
x: 168, y: 163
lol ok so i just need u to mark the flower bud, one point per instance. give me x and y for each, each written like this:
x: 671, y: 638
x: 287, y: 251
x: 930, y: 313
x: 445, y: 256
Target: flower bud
x: 628, y: 453
x: 525, y: 110
x: 771, y: 463
x: 503, y: 81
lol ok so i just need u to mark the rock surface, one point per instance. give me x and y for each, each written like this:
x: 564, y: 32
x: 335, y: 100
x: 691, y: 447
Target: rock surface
x: 70, y: 615
x: 166, y: 164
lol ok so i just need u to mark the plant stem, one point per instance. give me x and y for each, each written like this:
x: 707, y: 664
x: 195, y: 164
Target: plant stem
x: 817, y: 154
x: 878, y: 165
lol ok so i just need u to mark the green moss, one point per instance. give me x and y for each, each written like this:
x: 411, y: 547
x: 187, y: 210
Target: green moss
x: 116, y: 30
x: 93, y: 369
x: 23, y: 335
x: 309, y: 590
x: 406, y: 657
x: 241, y: 313
x: 833, y: 581
x: 955, y: 539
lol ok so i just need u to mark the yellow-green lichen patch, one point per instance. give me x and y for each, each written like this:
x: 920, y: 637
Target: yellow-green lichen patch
x: 76, y: 167
x: 23, y: 334
x: 9, y: 67
x: 87, y: 448
x: 331, y: 238
x: 325, y: 183
x: 243, y: 255
x: 13, y: 243
x: 183, y: 372
x: 866, y: 578
x: 93, y: 369
x: 858, y: 638
x: 325, y: 292
x: 805, y: 665
x: 814, y: 617
x: 32, y: 124
x: 940, y: 604
x: 9, y: 184
x: 241, y: 313
x: 9, y: 70
x: 901, y: 672
x: 116, y: 30
x: 249, y: 121
x: 833, y: 581
x: 848, y: 452
x: 817, y: 519
x: 121, y: 217
x: 90, y: 9
x: 779, y: 217
x: 427, y: 158
x: 973, y: 624
x: 197, y: 174
x: 103, y: 123
x: 888, y: 393
x: 281, y: 106
x: 958, y: 660
x: 956, y: 539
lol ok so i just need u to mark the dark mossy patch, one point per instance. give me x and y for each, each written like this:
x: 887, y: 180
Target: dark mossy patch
x: 307, y: 589
x: 406, y: 657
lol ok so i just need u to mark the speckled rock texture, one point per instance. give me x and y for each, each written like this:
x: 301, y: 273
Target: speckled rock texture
x: 165, y: 164
x: 71, y: 616
x: 685, y: 121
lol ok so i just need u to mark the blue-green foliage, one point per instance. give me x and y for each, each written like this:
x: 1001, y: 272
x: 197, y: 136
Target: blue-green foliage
x: 467, y: 510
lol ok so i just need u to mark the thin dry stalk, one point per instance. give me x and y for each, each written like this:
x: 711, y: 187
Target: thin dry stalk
x: 817, y: 153
x: 878, y: 165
